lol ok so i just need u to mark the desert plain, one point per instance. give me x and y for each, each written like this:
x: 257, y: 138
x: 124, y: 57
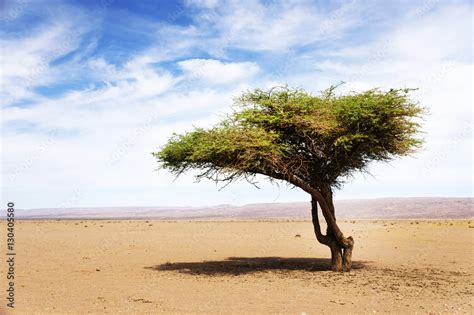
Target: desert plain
x: 404, y: 266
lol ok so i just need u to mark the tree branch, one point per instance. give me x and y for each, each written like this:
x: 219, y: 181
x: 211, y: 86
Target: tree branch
x: 323, y: 239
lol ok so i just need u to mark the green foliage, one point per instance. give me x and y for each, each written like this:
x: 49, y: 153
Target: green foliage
x: 288, y: 132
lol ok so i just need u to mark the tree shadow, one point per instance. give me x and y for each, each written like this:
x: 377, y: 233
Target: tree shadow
x: 244, y: 265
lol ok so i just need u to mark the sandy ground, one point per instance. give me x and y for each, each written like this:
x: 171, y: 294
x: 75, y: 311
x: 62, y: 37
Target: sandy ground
x: 404, y: 266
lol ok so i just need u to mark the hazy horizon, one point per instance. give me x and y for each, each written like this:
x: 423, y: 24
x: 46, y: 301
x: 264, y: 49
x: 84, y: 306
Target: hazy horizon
x: 380, y: 208
x: 246, y: 204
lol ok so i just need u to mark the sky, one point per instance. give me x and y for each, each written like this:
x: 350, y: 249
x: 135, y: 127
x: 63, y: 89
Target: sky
x: 90, y: 88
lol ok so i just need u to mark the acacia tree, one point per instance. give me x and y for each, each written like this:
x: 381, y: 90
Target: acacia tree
x: 311, y: 142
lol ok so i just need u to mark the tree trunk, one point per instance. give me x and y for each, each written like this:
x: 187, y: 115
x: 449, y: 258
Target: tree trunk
x: 341, y: 254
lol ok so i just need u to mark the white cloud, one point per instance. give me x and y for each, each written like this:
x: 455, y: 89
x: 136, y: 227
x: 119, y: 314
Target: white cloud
x: 216, y: 72
x: 25, y: 61
x: 278, y: 26
x: 273, y: 26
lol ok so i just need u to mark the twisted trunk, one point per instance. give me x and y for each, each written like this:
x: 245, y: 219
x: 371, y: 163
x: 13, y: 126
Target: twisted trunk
x: 341, y: 251
x: 341, y: 247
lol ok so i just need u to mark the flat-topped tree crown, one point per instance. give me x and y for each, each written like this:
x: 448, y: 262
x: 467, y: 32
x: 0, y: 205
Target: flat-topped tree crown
x: 320, y: 139
x: 312, y: 142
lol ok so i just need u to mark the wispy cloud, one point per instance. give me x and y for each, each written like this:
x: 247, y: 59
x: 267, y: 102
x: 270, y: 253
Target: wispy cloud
x: 216, y: 72
x: 27, y: 56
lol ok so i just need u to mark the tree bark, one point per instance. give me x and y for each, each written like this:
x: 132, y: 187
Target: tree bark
x: 341, y: 254
x: 347, y: 256
x: 337, y: 262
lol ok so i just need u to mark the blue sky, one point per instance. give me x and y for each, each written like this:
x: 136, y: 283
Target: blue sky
x: 90, y: 88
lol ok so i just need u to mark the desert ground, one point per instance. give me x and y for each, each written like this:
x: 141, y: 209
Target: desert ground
x: 151, y: 266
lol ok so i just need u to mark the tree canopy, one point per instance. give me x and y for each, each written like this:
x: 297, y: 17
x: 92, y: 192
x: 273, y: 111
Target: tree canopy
x: 289, y: 134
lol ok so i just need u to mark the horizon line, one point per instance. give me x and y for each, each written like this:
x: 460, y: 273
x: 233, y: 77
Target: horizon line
x: 243, y: 205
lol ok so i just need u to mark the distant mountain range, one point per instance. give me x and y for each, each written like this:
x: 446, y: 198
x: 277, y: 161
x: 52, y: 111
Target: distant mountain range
x: 382, y: 208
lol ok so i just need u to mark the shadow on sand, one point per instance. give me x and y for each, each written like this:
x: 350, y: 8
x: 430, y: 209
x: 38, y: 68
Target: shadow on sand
x: 243, y: 265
